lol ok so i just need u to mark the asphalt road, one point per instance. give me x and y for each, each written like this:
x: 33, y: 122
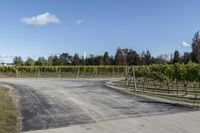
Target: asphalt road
x: 53, y: 103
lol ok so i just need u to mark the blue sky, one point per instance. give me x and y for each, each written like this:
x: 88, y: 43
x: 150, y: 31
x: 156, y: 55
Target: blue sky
x: 47, y: 27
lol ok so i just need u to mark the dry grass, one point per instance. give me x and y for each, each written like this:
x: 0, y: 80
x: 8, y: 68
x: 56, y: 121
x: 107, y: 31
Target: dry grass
x: 8, y: 113
x: 154, y: 93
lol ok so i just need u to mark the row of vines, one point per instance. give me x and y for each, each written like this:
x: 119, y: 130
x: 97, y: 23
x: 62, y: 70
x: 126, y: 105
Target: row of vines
x: 30, y: 69
x: 62, y: 71
x: 181, y: 72
x: 174, y: 80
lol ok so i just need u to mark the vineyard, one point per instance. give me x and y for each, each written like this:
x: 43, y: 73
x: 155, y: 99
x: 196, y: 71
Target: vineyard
x: 163, y: 73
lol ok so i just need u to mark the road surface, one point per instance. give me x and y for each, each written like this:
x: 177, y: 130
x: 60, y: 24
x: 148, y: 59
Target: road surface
x: 56, y: 103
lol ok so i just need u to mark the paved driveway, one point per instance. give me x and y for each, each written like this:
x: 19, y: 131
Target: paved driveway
x: 55, y: 103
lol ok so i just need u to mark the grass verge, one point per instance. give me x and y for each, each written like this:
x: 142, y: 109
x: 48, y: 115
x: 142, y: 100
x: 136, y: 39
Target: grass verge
x: 8, y: 113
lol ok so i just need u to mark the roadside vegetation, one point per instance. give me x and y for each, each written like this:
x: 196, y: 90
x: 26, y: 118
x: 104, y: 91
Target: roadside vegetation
x: 8, y: 113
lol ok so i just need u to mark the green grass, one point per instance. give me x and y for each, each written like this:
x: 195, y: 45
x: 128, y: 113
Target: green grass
x: 8, y: 113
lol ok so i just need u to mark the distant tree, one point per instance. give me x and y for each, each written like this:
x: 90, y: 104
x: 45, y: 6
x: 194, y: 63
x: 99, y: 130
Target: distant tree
x: 90, y: 60
x: 177, y: 58
x: 161, y: 59
x: 17, y: 61
x: 112, y: 60
x: 142, y: 58
x: 76, y: 60
x: 196, y: 47
x: 50, y: 61
x: 148, y: 57
x: 30, y: 62
x: 41, y: 62
x: 55, y: 61
x: 106, y: 59
x: 119, y: 57
x: 187, y: 57
x: 132, y: 57
x: 125, y: 56
x: 98, y: 60
x: 65, y: 59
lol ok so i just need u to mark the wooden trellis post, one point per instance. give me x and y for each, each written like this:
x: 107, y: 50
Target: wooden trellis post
x: 16, y: 73
x: 134, y: 79
x: 77, y: 75
x: 38, y: 72
x: 126, y: 76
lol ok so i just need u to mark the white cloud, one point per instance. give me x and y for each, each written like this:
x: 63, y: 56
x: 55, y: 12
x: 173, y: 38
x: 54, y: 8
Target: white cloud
x: 79, y: 22
x: 41, y: 19
x: 185, y: 44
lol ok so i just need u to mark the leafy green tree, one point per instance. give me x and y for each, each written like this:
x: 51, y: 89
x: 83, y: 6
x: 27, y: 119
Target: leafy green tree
x: 30, y: 62
x: 50, y: 61
x: 18, y: 61
x: 41, y: 61
x: 55, y: 61
x: 132, y: 57
x: 65, y: 59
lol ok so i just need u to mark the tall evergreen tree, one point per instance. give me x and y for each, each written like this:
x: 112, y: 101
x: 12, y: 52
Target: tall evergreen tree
x: 177, y: 58
x: 106, y: 59
x: 196, y: 47
x: 148, y: 57
x: 125, y: 56
x: 119, y: 57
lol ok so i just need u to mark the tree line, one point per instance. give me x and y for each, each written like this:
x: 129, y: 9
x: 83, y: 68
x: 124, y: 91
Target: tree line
x: 122, y: 57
